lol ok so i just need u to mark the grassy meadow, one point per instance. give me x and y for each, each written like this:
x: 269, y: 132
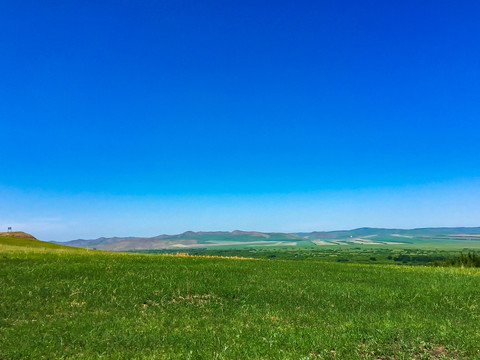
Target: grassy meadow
x: 60, y: 302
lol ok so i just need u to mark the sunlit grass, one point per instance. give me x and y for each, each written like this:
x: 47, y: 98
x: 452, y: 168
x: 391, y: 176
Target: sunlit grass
x: 82, y: 304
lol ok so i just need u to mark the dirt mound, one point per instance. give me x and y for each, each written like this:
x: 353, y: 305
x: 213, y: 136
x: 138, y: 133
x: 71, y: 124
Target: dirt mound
x: 18, y: 234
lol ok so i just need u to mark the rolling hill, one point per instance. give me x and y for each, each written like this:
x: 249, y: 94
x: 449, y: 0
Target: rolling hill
x: 17, y: 234
x: 20, y: 241
x: 240, y: 239
x: 191, y: 239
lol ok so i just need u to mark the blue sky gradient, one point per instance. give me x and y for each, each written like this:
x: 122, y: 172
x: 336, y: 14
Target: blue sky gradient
x: 140, y: 118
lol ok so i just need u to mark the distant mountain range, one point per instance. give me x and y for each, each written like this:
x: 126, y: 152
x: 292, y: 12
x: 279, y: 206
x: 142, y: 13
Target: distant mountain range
x: 255, y: 239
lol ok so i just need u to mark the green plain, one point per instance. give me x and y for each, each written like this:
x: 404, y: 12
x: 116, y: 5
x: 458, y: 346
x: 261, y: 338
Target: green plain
x: 60, y: 302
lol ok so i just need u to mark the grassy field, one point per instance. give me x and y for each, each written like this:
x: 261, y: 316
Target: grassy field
x: 59, y: 302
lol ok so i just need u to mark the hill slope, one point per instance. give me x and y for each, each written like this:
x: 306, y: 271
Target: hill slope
x: 17, y: 234
x: 15, y: 243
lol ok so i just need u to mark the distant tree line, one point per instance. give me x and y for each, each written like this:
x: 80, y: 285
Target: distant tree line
x: 420, y: 259
x: 462, y: 260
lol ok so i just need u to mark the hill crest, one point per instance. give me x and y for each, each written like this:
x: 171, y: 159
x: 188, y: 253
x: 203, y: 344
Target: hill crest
x: 18, y: 234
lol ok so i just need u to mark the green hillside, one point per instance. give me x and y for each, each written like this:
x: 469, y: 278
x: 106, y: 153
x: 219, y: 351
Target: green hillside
x: 65, y: 303
x: 30, y: 244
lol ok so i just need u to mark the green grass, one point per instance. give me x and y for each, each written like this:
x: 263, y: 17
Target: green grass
x: 14, y: 244
x: 59, y: 302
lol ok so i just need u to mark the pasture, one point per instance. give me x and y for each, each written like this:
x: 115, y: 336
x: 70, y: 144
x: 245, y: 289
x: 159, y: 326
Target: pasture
x: 60, y: 302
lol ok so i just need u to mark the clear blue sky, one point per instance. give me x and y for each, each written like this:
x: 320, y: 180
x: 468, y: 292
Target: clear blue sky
x: 140, y: 118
